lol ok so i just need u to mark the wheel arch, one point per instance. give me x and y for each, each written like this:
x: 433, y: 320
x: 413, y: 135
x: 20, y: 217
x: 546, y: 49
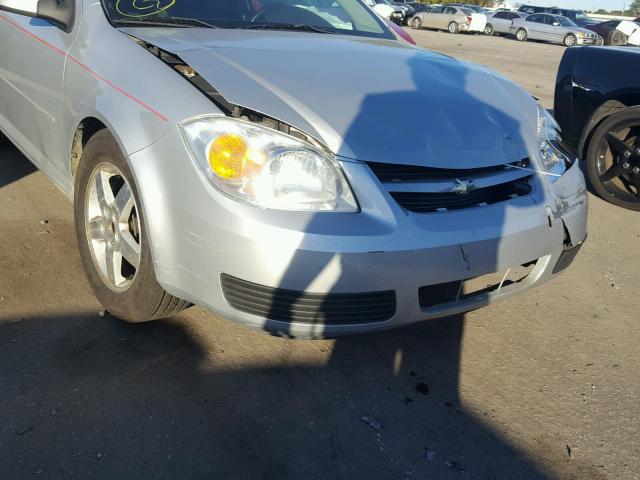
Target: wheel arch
x: 85, y: 129
x: 604, y: 111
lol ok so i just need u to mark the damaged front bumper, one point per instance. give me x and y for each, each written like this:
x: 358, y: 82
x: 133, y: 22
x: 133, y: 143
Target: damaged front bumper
x: 315, y: 275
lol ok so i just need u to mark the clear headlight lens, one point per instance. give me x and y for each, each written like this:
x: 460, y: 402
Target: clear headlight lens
x: 554, y: 161
x: 263, y: 167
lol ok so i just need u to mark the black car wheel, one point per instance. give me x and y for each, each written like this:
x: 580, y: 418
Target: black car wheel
x: 613, y: 159
x: 489, y: 30
x: 416, y: 23
x: 599, y: 41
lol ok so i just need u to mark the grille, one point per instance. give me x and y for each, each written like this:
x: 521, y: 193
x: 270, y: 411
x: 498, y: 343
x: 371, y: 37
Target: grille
x: 424, y: 202
x: 389, y: 172
x: 311, y: 308
x: 427, y: 190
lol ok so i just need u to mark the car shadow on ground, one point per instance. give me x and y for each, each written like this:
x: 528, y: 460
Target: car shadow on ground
x: 96, y: 398
x: 13, y: 165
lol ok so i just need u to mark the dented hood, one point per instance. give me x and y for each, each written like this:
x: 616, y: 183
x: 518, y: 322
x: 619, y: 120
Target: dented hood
x: 366, y: 99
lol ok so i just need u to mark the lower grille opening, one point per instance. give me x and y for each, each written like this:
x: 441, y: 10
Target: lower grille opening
x: 434, y: 295
x: 311, y: 308
x: 425, y: 202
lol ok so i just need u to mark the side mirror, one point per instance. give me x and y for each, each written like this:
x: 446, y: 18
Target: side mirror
x: 556, y: 24
x: 60, y: 12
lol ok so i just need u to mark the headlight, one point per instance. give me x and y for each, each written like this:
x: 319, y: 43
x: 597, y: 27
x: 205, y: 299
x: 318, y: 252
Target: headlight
x: 263, y: 167
x: 554, y: 161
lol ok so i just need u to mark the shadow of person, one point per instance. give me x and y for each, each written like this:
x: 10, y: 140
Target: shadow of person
x: 404, y: 384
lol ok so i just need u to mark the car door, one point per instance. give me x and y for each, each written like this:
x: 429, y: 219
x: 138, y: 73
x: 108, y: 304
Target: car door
x: 554, y: 32
x: 535, y: 26
x: 448, y: 17
x: 431, y: 20
x: 499, y: 22
x: 32, y: 62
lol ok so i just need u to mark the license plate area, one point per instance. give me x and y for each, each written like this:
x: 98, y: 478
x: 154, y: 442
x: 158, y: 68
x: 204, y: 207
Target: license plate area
x: 449, y: 292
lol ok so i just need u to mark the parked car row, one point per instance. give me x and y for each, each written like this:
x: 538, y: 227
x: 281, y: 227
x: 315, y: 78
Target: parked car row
x: 548, y: 27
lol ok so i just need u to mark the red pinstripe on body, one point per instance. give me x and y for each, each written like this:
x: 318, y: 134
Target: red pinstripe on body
x: 84, y: 67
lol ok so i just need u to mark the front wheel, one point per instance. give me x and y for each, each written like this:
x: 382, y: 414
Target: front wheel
x: 599, y: 41
x: 111, y: 236
x: 618, y: 38
x: 416, y: 23
x: 489, y: 30
x: 522, y: 35
x: 570, y: 40
x: 454, y: 27
x: 613, y: 159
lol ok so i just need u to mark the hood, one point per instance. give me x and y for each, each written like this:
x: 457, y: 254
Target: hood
x: 366, y: 99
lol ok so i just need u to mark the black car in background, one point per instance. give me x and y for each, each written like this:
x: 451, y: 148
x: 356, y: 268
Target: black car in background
x: 597, y: 105
x: 577, y: 16
x: 532, y: 9
x: 609, y: 33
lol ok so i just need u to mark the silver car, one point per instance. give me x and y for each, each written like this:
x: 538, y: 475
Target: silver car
x: 251, y: 159
x: 551, y: 28
x: 450, y: 18
x: 499, y: 23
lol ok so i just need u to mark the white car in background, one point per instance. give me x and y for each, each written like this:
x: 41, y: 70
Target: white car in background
x: 631, y: 30
x: 386, y: 9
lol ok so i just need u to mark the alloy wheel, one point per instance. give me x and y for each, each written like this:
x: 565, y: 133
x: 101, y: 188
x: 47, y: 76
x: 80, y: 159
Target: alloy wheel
x: 570, y: 40
x: 618, y: 162
x: 113, y: 227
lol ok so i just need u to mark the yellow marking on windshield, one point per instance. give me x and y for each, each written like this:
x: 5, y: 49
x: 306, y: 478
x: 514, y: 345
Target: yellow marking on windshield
x: 145, y: 8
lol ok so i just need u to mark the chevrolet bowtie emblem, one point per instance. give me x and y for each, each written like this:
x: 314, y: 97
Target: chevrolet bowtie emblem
x: 463, y: 187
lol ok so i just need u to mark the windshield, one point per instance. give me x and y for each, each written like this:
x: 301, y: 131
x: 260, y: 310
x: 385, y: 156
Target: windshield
x: 326, y: 16
x: 565, y: 22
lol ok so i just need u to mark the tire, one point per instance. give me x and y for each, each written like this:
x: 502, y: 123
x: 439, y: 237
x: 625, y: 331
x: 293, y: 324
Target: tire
x: 570, y: 40
x: 599, y: 41
x: 416, y: 23
x: 454, y: 27
x: 622, y: 190
x: 522, y: 35
x: 130, y: 293
x: 618, y: 38
x: 489, y: 30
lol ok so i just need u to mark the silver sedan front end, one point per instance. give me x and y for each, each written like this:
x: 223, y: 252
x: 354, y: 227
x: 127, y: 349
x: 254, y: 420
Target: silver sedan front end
x: 407, y: 255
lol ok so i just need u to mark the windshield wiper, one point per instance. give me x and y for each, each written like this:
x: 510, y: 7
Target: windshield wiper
x: 165, y: 22
x: 285, y: 26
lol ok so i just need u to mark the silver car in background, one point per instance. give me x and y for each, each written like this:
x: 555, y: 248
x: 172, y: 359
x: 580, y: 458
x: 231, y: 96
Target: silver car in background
x: 249, y: 159
x: 499, y: 23
x: 451, y: 18
x: 551, y: 28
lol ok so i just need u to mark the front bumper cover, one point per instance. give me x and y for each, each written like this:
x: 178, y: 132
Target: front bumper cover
x: 198, y: 234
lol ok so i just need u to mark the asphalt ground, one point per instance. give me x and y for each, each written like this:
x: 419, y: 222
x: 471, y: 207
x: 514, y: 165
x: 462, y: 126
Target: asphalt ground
x: 543, y: 385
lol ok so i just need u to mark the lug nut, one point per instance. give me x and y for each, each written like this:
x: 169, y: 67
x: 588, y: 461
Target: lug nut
x: 636, y: 170
x: 627, y: 154
x: 625, y: 165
